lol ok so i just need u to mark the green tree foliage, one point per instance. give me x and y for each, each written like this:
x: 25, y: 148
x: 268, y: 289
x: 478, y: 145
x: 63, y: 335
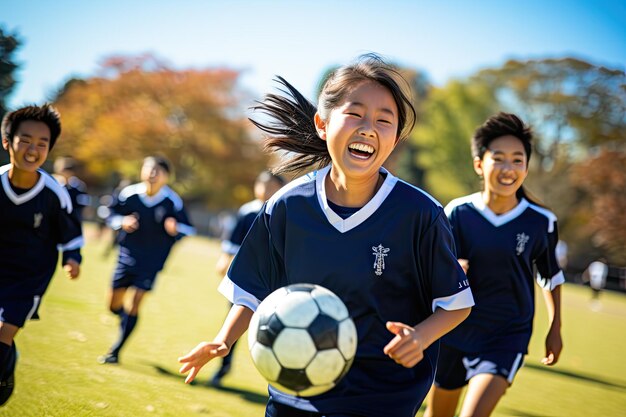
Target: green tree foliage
x: 442, y: 138
x: 9, y: 43
x: 137, y: 106
x: 602, y: 177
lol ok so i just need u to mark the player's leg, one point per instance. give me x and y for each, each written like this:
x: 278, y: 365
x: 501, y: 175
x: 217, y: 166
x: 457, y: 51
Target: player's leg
x: 442, y: 402
x: 450, y: 379
x: 490, y: 374
x: 8, y: 358
x: 116, y: 300
x: 127, y: 325
x: 483, y: 393
x: 227, y: 360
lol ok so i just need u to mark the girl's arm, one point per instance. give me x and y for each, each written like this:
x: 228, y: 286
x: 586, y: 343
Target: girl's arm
x: 234, y: 326
x: 554, y: 343
x: 407, y: 348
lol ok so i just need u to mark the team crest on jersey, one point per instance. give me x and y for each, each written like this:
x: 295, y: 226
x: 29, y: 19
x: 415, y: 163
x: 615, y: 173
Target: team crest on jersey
x: 159, y: 213
x: 37, y: 220
x: 379, y: 253
x: 522, y: 239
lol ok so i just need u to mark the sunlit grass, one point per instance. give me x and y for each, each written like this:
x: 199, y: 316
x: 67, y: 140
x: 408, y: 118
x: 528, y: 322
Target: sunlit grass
x: 58, y: 375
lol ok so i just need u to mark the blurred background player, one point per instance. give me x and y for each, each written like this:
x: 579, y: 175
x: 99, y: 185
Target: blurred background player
x: 501, y: 234
x: 265, y: 186
x: 65, y: 174
x: 151, y: 218
x: 36, y: 222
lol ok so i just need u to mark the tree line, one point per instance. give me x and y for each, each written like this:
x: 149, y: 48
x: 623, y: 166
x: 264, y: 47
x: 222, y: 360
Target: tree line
x: 134, y: 106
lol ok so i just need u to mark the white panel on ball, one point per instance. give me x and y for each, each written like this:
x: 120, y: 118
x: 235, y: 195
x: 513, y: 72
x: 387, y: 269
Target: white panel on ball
x: 347, y: 338
x: 265, y: 361
x: 327, y: 302
x: 297, y: 309
x: 294, y: 348
x: 325, y: 367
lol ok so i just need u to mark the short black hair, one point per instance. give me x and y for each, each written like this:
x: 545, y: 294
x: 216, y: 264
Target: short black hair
x: 267, y: 176
x: 498, y: 125
x: 161, y: 161
x: 44, y: 113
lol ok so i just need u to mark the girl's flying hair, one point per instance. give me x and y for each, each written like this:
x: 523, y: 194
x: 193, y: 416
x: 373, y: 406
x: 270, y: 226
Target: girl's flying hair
x: 292, y: 129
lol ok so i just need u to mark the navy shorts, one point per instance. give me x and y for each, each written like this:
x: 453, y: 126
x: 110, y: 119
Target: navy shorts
x: 144, y: 280
x: 275, y: 409
x: 455, y: 367
x: 19, y: 310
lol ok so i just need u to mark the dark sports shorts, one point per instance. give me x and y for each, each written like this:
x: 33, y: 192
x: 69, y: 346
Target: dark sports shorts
x: 275, y: 409
x: 19, y: 310
x: 144, y: 280
x: 455, y: 367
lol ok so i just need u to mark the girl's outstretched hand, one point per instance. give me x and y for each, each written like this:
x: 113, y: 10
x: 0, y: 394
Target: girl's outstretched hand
x: 406, y: 348
x: 199, y: 356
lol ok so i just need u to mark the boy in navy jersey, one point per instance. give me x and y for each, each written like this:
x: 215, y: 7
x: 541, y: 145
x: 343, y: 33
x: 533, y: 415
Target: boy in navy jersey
x: 500, y: 235
x: 265, y: 186
x: 151, y: 218
x: 383, y: 246
x: 36, y: 222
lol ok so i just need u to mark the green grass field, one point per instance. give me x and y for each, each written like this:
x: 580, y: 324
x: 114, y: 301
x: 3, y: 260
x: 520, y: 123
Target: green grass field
x: 58, y: 375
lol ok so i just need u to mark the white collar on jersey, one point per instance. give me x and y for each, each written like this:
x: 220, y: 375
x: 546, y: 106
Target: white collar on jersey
x: 18, y: 199
x: 344, y: 225
x: 150, y: 201
x: 497, y: 219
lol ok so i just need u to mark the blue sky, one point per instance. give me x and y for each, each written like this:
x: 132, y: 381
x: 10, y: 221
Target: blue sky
x: 300, y: 39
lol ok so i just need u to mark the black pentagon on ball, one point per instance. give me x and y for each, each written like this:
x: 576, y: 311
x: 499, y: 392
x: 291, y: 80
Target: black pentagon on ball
x: 269, y: 328
x: 324, y: 331
x: 294, y: 379
x: 300, y: 287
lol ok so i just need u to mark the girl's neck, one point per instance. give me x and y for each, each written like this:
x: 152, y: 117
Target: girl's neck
x: 499, y: 204
x: 23, y: 179
x: 351, y: 193
x: 152, y: 190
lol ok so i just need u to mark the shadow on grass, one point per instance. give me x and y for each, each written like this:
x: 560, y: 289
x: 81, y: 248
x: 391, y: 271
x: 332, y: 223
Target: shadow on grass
x: 621, y: 386
x: 246, y: 395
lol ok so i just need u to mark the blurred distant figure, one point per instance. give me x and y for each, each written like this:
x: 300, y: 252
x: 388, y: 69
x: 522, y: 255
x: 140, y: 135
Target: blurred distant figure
x: 598, y: 271
x: 265, y: 186
x: 103, y: 212
x: 561, y: 254
x: 151, y: 218
x: 65, y: 174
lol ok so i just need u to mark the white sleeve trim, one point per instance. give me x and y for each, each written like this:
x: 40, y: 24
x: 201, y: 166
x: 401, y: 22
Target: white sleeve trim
x: 229, y: 247
x: 73, y: 244
x: 115, y: 222
x: 185, y: 229
x: 552, y: 283
x: 463, y: 299
x: 237, y: 295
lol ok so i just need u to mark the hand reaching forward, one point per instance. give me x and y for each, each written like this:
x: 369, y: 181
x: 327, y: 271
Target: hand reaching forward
x: 406, y: 348
x: 200, y: 356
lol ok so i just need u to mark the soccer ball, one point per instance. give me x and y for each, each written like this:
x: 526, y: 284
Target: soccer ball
x: 302, y: 339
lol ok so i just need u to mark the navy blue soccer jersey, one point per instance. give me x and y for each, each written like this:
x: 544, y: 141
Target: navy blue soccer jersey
x: 146, y: 249
x: 35, y: 225
x: 392, y: 260
x: 78, y: 194
x: 245, y: 218
x: 501, y: 250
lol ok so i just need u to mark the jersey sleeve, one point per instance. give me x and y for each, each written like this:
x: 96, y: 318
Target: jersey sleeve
x: 183, y: 225
x: 256, y: 269
x: 70, y: 235
x: 549, y: 273
x: 449, y: 286
x: 119, y: 209
x: 235, y: 238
